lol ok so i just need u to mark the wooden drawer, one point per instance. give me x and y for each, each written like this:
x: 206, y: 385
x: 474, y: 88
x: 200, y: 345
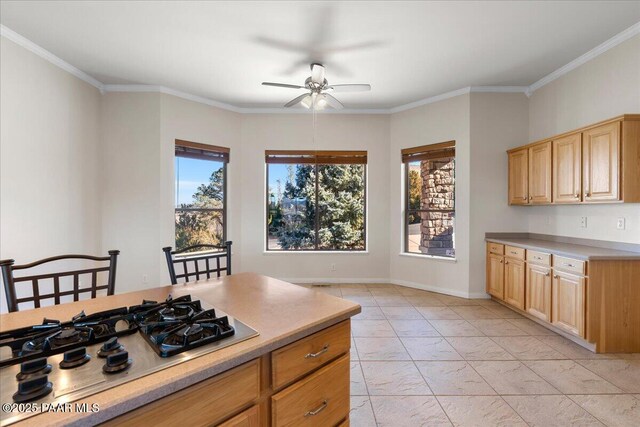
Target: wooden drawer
x: 495, y: 248
x: 514, y: 252
x: 321, y: 399
x: 248, y: 418
x: 202, y: 404
x: 538, y: 257
x: 570, y: 265
x: 301, y: 357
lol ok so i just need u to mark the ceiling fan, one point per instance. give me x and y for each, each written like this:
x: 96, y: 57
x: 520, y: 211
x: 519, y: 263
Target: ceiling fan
x: 317, y: 87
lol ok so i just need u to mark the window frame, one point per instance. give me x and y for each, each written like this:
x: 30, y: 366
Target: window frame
x: 217, y: 154
x: 316, y: 158
x: 425, y: 152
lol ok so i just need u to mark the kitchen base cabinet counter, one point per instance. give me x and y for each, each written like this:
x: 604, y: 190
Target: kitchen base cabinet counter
x: 294, y: 373
x: 587, y: 291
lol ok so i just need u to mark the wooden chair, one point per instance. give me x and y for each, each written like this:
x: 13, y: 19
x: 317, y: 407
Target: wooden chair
x: 10, y: 280
x: 213, y: 252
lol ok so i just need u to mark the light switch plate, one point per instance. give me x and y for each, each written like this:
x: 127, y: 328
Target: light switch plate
x: 583, y: 221
x: 620, y: 223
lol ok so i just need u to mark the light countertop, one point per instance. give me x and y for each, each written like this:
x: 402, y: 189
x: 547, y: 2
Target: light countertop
x: 281, y: 312
x: 571, y: 250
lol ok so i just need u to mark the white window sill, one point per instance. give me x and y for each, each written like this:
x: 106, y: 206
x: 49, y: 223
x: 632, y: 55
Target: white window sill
x: 430, y: 257
x: 315, y: 252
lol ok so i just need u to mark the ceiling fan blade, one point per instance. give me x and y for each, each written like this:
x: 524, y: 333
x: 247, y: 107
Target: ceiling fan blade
x: 282, y: 85
x: 296, y: 100
x: 351, y: 88
x: 333, y: 103
x: 317, y: 73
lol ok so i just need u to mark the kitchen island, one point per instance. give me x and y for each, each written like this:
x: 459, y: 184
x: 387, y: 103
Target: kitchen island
x: 291, y: 321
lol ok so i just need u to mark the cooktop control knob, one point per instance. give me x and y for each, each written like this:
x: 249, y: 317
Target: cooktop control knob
x: 117, y: 362
x: 33, y: 368
x: 33, y: 388
x: 110, y: 347
x: 74, y: 358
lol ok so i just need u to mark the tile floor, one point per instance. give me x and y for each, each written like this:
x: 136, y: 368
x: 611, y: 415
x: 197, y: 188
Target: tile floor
x: 424, y: 359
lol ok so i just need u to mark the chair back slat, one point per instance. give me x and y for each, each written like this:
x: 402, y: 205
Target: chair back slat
x: 10, y: 281
x: 36, y: 293
x: 76, y: 287
x: 184, y: 259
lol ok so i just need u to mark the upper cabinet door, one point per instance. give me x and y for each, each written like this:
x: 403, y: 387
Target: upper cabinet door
x: 518, y: 177
x: 601, y: 163
x: 567, y: 169
x: 540, y: 173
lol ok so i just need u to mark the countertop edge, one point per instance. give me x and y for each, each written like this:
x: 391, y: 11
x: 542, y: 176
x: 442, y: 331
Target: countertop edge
x: 127, y: 404
x: 554, y: 251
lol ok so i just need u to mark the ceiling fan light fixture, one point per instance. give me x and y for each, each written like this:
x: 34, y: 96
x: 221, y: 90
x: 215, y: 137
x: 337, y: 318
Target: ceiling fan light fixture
x: 321, y: 102
x: 307, y: 101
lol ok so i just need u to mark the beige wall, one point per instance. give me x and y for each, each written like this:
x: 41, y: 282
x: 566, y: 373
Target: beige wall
x: 604, y: 87
x: 49, y: 169
x: 295, y: 131
x: 442, y: 121
x: 131, y: 207
x: 498, y: 121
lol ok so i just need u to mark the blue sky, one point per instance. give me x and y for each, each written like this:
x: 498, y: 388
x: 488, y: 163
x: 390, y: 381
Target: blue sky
x: 190, y: 173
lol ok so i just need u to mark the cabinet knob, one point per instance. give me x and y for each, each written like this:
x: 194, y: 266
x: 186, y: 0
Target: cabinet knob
x: 530, y: 197
x: 506, y: 262
x: 547, y: 275
x: 555, y: 276
x: 577, y: 196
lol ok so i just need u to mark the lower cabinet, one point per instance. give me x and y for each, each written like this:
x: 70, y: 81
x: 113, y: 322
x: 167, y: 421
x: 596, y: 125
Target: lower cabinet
x: 321, y: 399
x: 568, y: 303
x: 514, y: 282
x: 495, y: 275
x: 248, y: 418
x: 305, y: 383
x: 538, y: 294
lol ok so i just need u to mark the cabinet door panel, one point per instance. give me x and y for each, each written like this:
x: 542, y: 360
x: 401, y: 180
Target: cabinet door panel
x: 540, y: 173
x: 601, y: 163
x: 568, y: 303
x: 567, y: 168
x: 538, y: 295
x: 518, y: 177
x: 514, y: 282
x: 495, y: 275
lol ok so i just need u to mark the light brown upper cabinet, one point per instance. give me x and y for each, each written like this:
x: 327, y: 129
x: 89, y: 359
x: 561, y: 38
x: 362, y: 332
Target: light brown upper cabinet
x: 595, y: 164
x: 519, y: 177
x: 567, y: 169
x: 540, y: 173
x: 601, y: 163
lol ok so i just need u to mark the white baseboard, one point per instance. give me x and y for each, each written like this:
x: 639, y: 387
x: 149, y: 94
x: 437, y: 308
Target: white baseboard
x: 406, y: 283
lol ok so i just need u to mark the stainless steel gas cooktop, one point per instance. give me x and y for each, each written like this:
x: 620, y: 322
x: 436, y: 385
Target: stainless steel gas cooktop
x: 61, y: 362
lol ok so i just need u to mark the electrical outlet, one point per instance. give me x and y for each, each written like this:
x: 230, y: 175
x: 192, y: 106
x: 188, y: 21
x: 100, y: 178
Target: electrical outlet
x: 583, y: 221
x: 333, y: 267
x: 620, y: 223
x: 145, y: 278
x: 548, y: 219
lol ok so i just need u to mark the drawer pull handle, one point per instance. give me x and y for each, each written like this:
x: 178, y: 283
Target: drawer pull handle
x: 321, y: 352
x: 514, y: 252
x: 318, y: 409
x: 537, y: 257
x: 566, y: 264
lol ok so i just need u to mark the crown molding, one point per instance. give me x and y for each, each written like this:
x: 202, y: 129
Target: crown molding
x: 45, y: 54
x: 169, y: 91
x: 527, y: 90
x: 596, y: 51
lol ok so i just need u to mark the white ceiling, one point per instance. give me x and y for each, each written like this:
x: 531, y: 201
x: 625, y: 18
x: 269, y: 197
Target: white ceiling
x: 406, y: 50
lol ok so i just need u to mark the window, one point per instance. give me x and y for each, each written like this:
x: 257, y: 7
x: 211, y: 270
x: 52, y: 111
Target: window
x: 430, y: 199
x: 316, y: 200
x: 200, y: 194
